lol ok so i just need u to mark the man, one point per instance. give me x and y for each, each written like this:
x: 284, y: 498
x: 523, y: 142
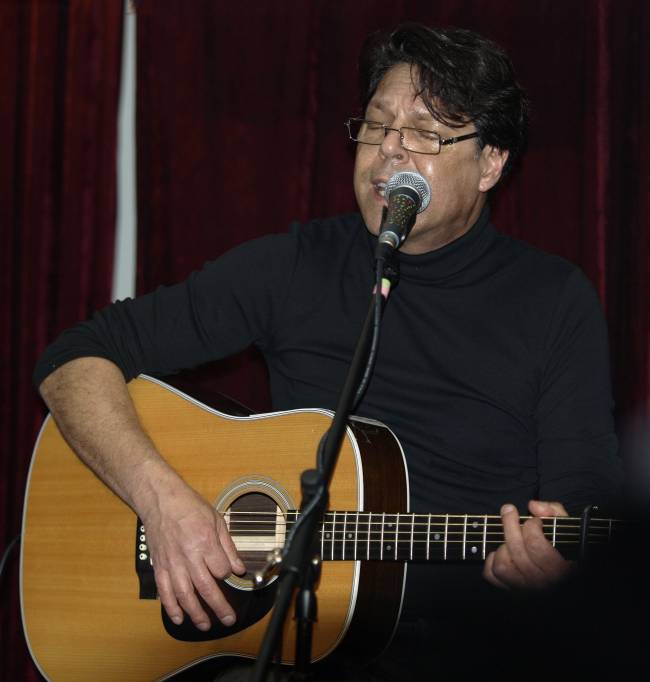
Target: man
x: 492, y: 367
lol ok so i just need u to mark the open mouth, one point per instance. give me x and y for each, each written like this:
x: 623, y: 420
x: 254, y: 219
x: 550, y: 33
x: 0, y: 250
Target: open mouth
x: 380, y: 188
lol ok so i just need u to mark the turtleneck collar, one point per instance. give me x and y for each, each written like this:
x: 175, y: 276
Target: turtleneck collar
x: 453, y: 263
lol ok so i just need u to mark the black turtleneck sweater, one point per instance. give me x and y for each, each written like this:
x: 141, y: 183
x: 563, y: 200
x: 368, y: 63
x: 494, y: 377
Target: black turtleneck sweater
x: 492, y: 371
x: 492, y: 368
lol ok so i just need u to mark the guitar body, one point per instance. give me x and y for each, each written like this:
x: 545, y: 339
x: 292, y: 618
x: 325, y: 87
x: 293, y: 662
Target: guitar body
x: 83, y: 611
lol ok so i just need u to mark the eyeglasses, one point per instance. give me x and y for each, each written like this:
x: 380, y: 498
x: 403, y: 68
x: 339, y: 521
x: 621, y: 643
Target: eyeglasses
x: 411, y: 139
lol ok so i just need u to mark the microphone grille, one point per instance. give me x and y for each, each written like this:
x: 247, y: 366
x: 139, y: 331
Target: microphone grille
x: 414, y: 181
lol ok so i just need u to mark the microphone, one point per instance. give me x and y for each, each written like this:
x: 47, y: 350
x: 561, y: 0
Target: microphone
x: 408, y: 194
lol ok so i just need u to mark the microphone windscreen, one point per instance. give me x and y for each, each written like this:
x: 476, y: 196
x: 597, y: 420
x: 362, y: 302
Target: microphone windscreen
x: 414, y: 181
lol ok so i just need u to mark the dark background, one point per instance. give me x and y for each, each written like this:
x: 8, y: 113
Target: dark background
x: 240, y: 112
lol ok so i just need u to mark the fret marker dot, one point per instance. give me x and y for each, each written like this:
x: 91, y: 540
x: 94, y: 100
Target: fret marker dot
x: 328, y: 535
x: 349, y: 536
x: 474, y: 550
x: 388, y: 548
x: 436, y: 536
x: 475, y: 524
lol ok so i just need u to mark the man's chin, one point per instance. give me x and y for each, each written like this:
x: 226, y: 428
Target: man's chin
x: 374, y: 230
x: 372, y: 220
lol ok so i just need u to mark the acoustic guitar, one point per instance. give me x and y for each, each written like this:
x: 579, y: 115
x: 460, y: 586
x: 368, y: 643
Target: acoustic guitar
x: 89, y: 603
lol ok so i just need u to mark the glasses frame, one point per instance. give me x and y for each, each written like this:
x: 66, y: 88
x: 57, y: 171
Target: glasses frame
x: 442, y: 141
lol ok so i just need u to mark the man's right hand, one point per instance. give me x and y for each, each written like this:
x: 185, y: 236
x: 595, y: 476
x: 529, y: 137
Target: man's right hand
x: 190, y: 547
x: 189, y: 543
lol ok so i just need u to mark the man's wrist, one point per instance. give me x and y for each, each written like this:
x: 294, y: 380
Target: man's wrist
x: 154, y: 480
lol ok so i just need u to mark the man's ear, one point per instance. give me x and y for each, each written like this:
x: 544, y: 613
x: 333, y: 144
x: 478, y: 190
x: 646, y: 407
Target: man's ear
x: 491, y: 162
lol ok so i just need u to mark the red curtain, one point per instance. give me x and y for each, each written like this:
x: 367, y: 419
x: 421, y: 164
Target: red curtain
x: 59, y: 78
x: 240, y: 131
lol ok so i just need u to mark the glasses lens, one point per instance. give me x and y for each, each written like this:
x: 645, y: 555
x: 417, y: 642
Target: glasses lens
x: 367, y: 132
x: 413, y: 139
x: 423, y: 141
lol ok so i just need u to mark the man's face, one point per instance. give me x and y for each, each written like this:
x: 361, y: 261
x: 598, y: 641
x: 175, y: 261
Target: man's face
x: 459, y: 176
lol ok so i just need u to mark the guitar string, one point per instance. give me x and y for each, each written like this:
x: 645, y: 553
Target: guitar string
x: 405, y: 526
x: 406, y: 537
x: 257, y: 543
x: 406, y: 517
x: 404, y: 551
x: 294, y: 512
x: 252, y: 527
x: 564, y: 530
x: 263, y: 546
x: 419, y: 541
x: 423, y: 518
x: 421, y: 537
x: 406, y: 523
x: 417, y: 536
x: 405, y: 541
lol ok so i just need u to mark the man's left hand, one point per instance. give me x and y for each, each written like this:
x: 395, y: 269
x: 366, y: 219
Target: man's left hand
x: 527, y: 560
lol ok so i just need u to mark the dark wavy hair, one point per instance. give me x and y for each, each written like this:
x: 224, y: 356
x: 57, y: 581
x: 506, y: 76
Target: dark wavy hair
x: 461, y: 76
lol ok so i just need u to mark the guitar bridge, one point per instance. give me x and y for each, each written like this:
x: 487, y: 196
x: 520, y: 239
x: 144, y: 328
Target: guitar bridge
x: 143, y: 565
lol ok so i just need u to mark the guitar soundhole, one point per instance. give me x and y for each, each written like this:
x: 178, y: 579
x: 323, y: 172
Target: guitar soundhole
x: 257, y: 526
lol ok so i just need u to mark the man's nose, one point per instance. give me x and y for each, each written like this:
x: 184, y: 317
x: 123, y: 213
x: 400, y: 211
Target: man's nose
x: 391, y: 147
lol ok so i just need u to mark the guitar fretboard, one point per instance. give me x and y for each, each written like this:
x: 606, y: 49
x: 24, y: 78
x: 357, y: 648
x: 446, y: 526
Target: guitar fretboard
x: 349, y: 536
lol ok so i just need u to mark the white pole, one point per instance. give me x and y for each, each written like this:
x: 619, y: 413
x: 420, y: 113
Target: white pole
x: 126, y: 228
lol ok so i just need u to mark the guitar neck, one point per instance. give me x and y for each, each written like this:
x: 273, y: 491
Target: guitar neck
x: 376, y: 536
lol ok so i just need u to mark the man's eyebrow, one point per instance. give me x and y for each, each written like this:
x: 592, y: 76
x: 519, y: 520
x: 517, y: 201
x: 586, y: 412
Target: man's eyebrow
x: 376, y: 104
x: 419, y: 115
x: 423, y: 116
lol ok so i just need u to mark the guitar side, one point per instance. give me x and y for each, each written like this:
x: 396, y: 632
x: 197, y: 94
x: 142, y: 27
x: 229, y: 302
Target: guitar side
x: 82, y: 615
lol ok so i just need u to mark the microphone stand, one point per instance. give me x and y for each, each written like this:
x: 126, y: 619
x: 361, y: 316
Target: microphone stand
x: 300, y: 562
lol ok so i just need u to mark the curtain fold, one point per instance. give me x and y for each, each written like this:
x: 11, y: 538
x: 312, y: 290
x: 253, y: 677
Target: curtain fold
x: 59, y: 74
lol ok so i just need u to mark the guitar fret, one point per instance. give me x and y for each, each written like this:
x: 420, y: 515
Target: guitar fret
x: 381, y: 543
x: 333, y: 533
x: 349, y: 535
x: 444, y: 556
x: 345, y: 523
x: 396, y: 536
x: 356, y: 537
x: 554, y: 530
x: 484, y: 535
x: 399, y: 550
x: 464, y: 536
x: 368, y: 531
x: 375, y: 545
x: 428, y: 535
x: 477, y: 523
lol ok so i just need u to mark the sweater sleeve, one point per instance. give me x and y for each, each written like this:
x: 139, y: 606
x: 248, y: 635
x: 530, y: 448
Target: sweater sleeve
x: 577, y: 446
x: 231, y: 303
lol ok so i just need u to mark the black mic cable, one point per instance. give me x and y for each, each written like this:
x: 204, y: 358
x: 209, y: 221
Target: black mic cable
x: 408, y: 194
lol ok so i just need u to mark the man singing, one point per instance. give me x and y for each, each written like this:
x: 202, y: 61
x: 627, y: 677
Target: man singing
x: 492, y: 367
